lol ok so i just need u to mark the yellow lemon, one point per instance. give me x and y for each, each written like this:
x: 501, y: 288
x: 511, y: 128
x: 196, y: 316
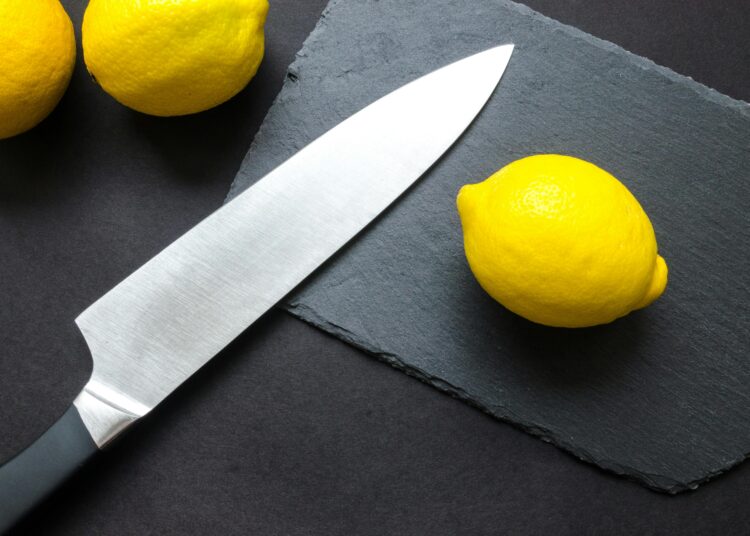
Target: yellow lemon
x: 37, y: 55
x: 173, y: 57
x: 560, y: 242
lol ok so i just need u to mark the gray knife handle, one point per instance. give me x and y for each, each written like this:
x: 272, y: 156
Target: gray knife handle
x: 36, y: 471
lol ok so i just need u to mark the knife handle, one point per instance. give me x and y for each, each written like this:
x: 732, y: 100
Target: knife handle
x: 35, y: 472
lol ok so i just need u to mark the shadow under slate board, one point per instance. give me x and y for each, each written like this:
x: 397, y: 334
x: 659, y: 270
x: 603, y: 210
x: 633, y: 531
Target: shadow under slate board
x: 661, y: 396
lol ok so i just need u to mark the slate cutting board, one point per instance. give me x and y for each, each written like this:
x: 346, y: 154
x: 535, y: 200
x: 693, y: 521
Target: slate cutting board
x: 661, y: 396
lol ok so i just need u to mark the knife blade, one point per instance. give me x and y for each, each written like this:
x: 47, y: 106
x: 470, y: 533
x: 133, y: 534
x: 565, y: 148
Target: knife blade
x: 166, y: 320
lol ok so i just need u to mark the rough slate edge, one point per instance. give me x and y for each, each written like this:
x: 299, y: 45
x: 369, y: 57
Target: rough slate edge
x: 706, y: 92
x: 655, y: 482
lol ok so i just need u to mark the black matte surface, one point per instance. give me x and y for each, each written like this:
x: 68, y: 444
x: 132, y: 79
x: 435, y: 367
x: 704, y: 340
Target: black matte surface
x: 660, y: 396
x: 290, y: 431
x: 28, y: 478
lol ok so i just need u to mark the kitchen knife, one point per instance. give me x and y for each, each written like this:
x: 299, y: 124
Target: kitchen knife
x: 166, y: 320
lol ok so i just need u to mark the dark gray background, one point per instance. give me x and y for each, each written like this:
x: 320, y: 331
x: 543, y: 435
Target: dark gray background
x: 290, y: 431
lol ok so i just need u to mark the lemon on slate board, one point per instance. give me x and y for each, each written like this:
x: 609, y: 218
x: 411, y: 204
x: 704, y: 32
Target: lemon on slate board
x: 173, y: 57
x: 37, y: 55
x: 560, y: 242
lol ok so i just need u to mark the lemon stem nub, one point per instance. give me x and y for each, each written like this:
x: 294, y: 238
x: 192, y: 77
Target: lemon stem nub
x: 658, y: 283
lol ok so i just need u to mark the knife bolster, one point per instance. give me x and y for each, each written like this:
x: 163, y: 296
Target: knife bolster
x: 105, y: 412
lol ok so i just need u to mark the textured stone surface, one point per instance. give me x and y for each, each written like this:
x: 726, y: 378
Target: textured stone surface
x: 660, y: 396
